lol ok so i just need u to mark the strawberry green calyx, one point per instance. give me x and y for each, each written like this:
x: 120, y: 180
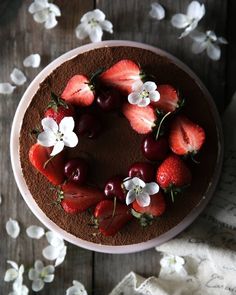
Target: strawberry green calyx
x: 175, y: 191
x: 55, y: 102
x: 144, y: 219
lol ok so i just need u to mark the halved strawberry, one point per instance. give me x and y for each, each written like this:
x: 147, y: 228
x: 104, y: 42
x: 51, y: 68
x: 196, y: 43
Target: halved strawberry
x: 122, y: 75
x: 185, y: 136
x: 169, y: 99
x: 79, y: 91
x: 110, y: 217
x: 60, y: 112
x: 142, y: 119
x: 54, y: 169
x: 146, y: 214
x: 75, y: 199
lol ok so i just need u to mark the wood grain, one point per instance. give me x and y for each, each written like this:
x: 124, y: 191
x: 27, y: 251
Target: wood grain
x: 21, y: 36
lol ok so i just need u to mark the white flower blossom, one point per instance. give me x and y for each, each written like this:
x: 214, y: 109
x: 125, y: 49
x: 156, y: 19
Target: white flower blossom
x: 40, y: 275
x: 92, y: 25
x: 15, y: 275
x: 35, y: 232
x: 190, y: 20
x: 56, y: 249
x: 44, y: 12
x: 171, y: 263
x: 33, y: 61
x: 140, y: 191
x: 56, y: 135
x: 143, y: 93
x: 207, y: 41
x: 6, y: 88
x: 76, y: 289
x: 13, y: 228
x: 18, y: 77
x: 157, y: 11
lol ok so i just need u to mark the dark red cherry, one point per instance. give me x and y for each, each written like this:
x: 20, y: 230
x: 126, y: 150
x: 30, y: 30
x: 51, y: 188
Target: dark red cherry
x: 88, y: 124
x: 114, y: 188
x: 109, y: 100
x: 155, y: 150
x: 142, y: 170
x: 76, y: 170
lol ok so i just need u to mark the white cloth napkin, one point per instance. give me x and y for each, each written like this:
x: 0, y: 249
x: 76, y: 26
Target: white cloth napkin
x: 208, y: 247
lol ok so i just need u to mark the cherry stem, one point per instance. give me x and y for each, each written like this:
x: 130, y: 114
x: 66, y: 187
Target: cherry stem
x: 172, y: 195
x: 46, y: 163
x: 160, y: 124
x: 193, y: 159
x: 114, y: 208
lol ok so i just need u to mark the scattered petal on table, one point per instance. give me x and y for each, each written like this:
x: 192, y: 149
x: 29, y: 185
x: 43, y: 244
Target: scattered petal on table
x: 35, y: 232
x: 18, y: 77
x: 157, y: 11
x: 13, y: 228
x: 6, y: 88
x: 32, y: 60
x: 76, y: 289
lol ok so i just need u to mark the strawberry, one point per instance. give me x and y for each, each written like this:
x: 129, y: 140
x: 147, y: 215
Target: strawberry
x: 185, y: 136
x: 169, y: 99
x: 111, y: 217
x: 146, y: 214
x: 79, y: 91
x: 53, y: 170
x: 173, y: 175
x: 122, y: 75
x: 75, y: 199
x: 142, y: 119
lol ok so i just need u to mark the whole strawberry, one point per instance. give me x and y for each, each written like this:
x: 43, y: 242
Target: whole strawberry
x: 173, y: 175
x: 58, y: 109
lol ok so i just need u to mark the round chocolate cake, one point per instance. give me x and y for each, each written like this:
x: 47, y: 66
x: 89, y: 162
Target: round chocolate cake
x: 118, y: 145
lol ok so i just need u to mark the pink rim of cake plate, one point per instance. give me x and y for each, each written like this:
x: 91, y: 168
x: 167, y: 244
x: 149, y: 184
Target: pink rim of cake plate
x: 15, y: 159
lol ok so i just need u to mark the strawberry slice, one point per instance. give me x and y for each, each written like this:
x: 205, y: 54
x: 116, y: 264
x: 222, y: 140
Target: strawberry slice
x: 79, y: 91
x: 156, y: 208
x: 185, y: 136
x: 59, y: 113
x: 142, y: 119
x: 54, y: 169
x: 169, y: 99
x: 76, y: 199
x: 111, y: 218
x: 122, y: 75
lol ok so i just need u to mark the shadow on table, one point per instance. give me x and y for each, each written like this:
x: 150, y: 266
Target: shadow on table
x: 8, y: 10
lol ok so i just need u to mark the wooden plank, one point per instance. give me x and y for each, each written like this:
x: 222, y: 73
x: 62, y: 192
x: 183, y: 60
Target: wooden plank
x: 21, y: 36
x: 131, y: 22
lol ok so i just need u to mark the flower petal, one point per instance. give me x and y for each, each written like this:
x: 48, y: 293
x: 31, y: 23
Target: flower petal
x: 130, y: 197
x: 198, y: 47
x: 49, y: 124
x: 54, y: 240
x: 37, y: 285
x: 61, y: 256
x: 157, y: 11
x: 51, y: 21
x: 195, y: 10
x: 95, y: 34
x: 134, y: 98
x: 33, y: 274
x: 67, y: 124
x: 55, y: 9
x: 6, y: 88
x: 18, y: 77
x: 154, y: 95
x: 213, y: 51
x: 128, y: 184
x: 32, y: 61
x: 144, y: 102
x: 46, y: 138
x: 38, y: 265
x: 138, y: 181
x: 41, y: 16
x: 198, y: 36
x: 81, y: 31
x: 35, y: 232
x: 51, y: 253
x: 10, y: 275
x: 12, y: 228
x: 70, y: 139
x: 222, y: 40
x: 107, y: 26
x: 96, y: 14
x: 151, y: 188
x: 38, y: 5
x: 179, y: 21
x: 49, y: 278
x: 58, y: 147
x: 143, y: 199
x: 13, y: 264
x: 150, y: 86
x: 76, y: 289
x: 137, y: 86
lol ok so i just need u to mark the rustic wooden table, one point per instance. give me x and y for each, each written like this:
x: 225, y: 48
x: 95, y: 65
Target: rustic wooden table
x: 21, y: 36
